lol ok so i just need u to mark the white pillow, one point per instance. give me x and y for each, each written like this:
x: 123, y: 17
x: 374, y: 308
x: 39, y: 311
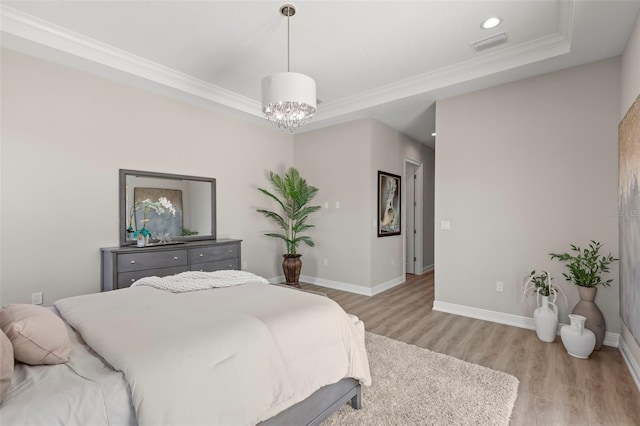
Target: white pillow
x: 38, y: 335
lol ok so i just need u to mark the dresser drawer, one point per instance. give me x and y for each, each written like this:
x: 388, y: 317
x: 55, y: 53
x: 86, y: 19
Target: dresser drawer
x: 151, y: 260
x: 210, y: 254
x: 127, y: 278
x: 218, y: 265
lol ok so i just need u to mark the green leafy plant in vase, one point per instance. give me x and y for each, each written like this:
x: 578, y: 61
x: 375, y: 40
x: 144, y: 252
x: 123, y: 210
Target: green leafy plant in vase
x: 293, y: 195
x: 586, y: 267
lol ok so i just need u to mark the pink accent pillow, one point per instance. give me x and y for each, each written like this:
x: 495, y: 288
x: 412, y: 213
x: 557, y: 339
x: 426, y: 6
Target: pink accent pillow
x: 6, y: 364
x: 38, y: 335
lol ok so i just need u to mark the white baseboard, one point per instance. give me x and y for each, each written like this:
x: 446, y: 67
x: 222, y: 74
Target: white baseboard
x: 610, y: 339
x: 634, y: 368
x: 427, y: 268
x: 353, y: 288
x: 276, y: 280
x: 337, y: 285
x: 387, y: 285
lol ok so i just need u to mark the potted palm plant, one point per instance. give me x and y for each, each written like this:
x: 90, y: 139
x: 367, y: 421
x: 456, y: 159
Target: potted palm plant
x: 586, y: 267
x: 293, y: 197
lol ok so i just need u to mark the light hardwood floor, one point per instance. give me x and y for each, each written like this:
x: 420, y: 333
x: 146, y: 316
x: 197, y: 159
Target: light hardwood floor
x: 555, y: 388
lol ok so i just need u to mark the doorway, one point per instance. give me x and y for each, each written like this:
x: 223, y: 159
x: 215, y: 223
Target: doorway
x: 412, y: 206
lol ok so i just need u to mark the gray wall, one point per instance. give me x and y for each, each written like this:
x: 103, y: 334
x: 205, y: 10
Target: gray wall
x: 337, y: 161
x: 343, y: 161
x: 429, y: 157
x: 524, y: 169
x: 66, y: 133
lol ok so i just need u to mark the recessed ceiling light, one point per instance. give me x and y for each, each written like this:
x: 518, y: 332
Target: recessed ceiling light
x: 489, y: 23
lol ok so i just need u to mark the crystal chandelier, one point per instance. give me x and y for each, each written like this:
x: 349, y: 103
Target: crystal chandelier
x: 288, y: 98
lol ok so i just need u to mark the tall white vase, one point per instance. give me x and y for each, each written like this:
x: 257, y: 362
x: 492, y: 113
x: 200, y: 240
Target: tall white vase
x: 577, y: 340
x: 545, y: 318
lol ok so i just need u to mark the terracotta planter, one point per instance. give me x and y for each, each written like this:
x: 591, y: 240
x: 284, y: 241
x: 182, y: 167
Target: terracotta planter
x: 291, y: 266
x: 587, y: 308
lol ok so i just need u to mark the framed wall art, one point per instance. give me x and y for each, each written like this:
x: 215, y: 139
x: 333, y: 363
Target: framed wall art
x: 629, y: 218
x: 389, y: 205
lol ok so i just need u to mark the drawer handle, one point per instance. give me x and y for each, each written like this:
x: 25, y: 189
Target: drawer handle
x: 231, y: 265
x: 201, y: 270
x: 230, y: 251
x: 133, y: 261
x: 133, y: 280
x: 175, y: 257
x: 201, y: 255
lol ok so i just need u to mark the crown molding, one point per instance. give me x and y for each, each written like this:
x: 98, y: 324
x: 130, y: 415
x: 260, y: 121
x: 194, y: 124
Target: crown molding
x: 448, y: 76
x: 45, y: 33
x: 547, y: 47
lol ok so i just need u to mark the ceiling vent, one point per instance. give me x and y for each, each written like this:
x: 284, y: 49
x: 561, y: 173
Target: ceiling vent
x: 490, y: 42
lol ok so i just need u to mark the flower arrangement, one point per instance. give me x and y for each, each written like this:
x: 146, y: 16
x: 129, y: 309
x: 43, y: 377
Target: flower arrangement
x: 539, y: 283
x: 162, y: 206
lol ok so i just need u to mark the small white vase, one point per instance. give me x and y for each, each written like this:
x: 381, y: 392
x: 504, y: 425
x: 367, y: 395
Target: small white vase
x: 577, y: 340
x: 141, y: 241
x: 545, y: 318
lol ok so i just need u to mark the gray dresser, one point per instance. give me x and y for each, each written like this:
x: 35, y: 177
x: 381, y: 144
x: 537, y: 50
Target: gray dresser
x: 122, y: 266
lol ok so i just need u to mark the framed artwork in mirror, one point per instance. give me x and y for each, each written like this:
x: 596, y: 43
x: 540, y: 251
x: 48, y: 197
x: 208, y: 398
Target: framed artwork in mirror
x: 163, y: 213
x: 170, y: 207
x: 389, y: 204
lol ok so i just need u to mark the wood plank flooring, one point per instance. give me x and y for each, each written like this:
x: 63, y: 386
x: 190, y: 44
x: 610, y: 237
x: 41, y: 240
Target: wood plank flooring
x: 555, y: 388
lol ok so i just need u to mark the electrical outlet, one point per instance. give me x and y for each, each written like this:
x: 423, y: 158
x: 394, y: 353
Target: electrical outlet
x: 337, y: 204
x: 244, y: 266
x: 326, y: 262
x: 499, y: 286
x: 445, y: 224
x: 326, y: 204
x: 36, y: 298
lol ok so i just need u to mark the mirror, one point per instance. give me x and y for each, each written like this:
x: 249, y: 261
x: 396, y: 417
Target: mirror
x: 172, y: 208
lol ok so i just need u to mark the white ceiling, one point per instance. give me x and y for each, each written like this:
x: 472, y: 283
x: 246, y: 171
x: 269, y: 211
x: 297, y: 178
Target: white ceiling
x: 389, y: 60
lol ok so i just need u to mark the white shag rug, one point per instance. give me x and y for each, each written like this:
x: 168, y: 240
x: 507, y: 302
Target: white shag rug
x: 415, y: 386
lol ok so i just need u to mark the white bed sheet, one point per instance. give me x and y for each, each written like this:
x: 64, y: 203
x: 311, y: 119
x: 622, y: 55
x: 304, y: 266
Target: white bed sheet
x: 84, y: 391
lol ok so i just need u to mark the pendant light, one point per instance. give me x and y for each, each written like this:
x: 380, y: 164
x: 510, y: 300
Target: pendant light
x: 288, y: 98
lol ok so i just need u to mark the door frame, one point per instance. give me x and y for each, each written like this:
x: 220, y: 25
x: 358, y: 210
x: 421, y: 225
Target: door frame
x: 419, y: 218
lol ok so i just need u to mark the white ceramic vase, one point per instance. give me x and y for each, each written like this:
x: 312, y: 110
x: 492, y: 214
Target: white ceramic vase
x: 577, y: 340
x: 141, y: 241
x: 545, y: 318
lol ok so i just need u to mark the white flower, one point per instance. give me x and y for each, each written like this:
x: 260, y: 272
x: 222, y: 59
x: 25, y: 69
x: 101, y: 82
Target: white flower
x: 167, y: 205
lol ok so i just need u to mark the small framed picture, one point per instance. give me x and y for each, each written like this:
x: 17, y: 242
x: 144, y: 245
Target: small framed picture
x: 389, y: 214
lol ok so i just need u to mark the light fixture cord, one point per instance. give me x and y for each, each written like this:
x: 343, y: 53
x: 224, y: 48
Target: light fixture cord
x: 288, y: 42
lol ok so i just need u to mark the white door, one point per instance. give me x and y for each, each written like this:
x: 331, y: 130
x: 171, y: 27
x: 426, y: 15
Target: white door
x: 410, y: 182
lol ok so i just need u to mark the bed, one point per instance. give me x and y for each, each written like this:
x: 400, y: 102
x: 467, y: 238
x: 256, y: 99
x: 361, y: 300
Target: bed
x: 247, y: 354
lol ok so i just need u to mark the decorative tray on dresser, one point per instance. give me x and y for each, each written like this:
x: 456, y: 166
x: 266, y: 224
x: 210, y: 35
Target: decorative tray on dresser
x: 122, y: 266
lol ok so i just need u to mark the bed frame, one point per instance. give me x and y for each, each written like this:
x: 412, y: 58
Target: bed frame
x: 320, y: 405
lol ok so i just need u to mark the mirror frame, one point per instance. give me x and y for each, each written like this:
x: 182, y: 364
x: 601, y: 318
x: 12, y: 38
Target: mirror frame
x: 123, y: 203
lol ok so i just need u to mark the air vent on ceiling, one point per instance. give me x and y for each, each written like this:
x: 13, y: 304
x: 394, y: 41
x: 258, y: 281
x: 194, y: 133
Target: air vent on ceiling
x: 490, y: 42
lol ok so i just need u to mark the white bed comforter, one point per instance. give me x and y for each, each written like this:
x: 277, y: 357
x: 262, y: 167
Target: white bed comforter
x: 227, y: 356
